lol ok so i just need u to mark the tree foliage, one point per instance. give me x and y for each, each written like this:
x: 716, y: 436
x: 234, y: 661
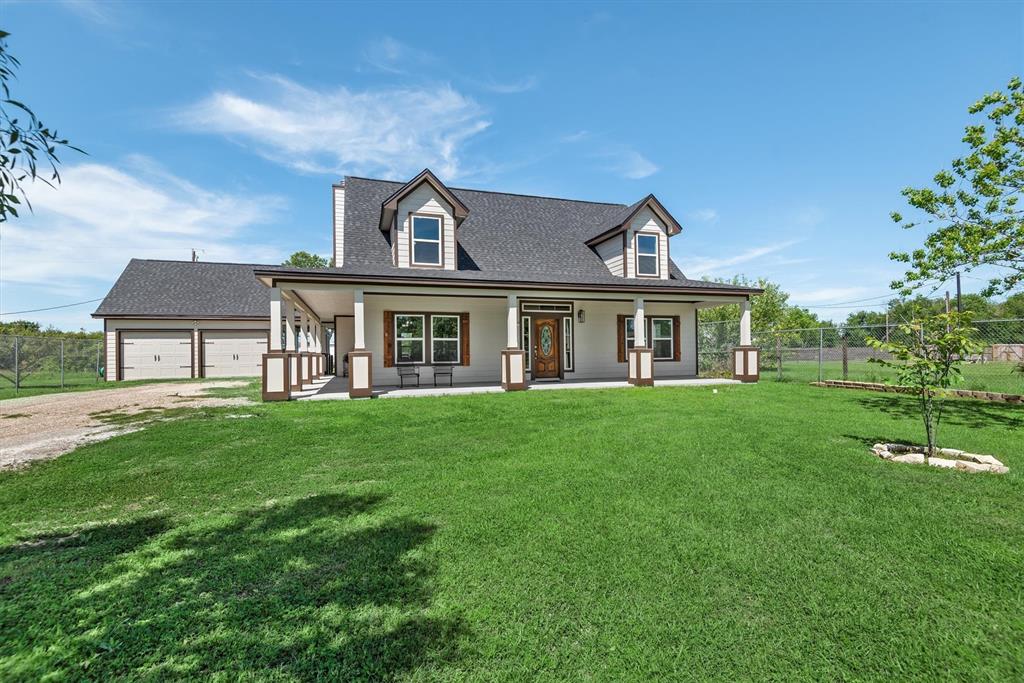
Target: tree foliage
x: 28, y: 148
x: 974, y: 207
x: 304, y: 259
x: 926, y: 356
x: 768, y: 311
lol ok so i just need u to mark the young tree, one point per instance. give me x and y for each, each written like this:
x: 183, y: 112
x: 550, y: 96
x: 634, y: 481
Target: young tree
x: 974, y: 208
x: 25, y: 143
x: 303, y: 259
x: 926, y: 355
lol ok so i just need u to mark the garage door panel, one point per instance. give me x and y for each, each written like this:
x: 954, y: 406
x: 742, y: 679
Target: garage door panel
x: 233, y: 353
x: 157, y: 354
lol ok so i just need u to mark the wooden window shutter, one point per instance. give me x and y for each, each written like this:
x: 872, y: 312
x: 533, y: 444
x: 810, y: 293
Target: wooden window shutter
x: 389, y: 339
x: 676, y: 353
x: 620, y: 337
x: 464, y: 336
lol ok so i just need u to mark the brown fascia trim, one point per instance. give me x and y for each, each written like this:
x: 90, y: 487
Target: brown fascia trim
x: 674, y: 228
x: 390, y: 205
x: 399, y: 281
x: 157, y: 316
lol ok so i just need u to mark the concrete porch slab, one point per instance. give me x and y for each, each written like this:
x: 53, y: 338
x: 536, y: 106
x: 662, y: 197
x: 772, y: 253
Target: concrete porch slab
x: 336, y: 388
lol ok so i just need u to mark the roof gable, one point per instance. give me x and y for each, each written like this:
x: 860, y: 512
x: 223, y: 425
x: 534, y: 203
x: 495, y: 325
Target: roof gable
x: 389, y: 206
x: 621, y: 223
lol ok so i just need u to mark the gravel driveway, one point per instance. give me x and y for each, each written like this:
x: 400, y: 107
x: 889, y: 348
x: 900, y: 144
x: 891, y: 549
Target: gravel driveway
x: 43, y: 427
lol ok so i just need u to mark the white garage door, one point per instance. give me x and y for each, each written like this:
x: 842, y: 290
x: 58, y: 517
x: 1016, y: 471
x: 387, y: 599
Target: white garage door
x: 234, y: 353
x: 156, y: 355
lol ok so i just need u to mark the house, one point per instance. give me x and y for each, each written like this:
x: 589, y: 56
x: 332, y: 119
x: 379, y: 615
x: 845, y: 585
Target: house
x: 487, y: 286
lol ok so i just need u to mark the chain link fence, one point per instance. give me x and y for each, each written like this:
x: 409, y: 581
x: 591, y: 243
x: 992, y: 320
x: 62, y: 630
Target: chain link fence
x: 50, y: 362
x: 842, y: 352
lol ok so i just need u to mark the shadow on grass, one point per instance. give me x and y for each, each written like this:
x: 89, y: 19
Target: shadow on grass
x: 961, y: 412
x: 306, y: 589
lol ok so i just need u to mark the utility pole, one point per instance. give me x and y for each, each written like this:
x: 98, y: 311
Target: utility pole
x: 959, y: 306
x: 195, y: 257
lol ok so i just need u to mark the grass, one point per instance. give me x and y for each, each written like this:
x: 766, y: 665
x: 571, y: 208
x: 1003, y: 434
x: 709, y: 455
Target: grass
x: 564, y: 535
x: 997, y: 376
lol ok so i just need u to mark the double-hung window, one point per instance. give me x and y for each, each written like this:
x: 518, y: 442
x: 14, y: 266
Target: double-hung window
x: 661, y: 338
x: 444, y: 339
x: 426, y: 240
x: 409, y: 338
x: 647, y: 255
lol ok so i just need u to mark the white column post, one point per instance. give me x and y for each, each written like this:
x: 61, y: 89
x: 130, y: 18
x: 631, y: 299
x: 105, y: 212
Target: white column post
x: 360, y: 361
x: 289, y: 326
x: 512, y: 323
x: 639, y: 323
x: 303, y: 339
x: 275, y: 319
x: 745, y: 323
x: 359, y: 319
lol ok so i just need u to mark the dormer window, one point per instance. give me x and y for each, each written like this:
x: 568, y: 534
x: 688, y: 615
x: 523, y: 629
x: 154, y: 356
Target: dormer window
x: 426, y: 240
x: 647, y: 255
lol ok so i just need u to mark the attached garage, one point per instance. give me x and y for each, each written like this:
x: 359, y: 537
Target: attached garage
x: 232, y: 353
x: 154, y: 354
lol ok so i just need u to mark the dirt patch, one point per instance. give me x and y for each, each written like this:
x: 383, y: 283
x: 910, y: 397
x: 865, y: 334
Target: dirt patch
x: 44, y: 427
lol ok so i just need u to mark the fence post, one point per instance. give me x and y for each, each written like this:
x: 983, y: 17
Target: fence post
x: 846, y: 364
x: 821, y: 349
x: 17, y: 366
x: 61, y: 363
x: 778, y: 353
x: 98, y: 347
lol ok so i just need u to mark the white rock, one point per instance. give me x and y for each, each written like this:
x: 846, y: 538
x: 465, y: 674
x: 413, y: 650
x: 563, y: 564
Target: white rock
x: 966, y: 466
x: 998, y: 469
x: 910, y: 458
x: 950, y: 452
x: 983, y: 459
x: 942, y: 462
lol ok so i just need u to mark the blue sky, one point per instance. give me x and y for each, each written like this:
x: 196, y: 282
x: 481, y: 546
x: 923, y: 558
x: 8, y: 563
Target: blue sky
x: 779, y: 134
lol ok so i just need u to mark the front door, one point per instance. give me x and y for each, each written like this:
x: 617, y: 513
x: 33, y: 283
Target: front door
x: 545, y: 347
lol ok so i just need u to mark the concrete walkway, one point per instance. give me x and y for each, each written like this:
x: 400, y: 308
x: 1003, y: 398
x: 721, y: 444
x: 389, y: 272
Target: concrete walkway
x: 336, y: 388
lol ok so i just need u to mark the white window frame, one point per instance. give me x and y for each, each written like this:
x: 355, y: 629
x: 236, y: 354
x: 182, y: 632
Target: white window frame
x: 457, y: 339
x: 567, y: 354
x: 413, y: 239
x: 637, y: 254
x: 422, y: 339
x: 671, y: 337
x: 527, y: 338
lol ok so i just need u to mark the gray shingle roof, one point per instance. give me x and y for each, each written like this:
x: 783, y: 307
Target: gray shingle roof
x: 183, y: 289
x: 506, y: 237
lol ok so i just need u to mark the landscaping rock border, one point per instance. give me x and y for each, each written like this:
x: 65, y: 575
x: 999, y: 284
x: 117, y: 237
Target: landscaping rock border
x: 962, y: 393
x: 952, y: 458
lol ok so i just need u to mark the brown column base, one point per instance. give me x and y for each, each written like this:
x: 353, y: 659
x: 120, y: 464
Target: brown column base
x: 360, y: 373
x: 513, y: 369
x: 276, y: 379
x: 294, y: 371
x: 640, y: 361
x: 746, y: 363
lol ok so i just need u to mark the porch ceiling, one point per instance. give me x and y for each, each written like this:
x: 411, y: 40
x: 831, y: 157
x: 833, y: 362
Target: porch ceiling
x: 326, y: 303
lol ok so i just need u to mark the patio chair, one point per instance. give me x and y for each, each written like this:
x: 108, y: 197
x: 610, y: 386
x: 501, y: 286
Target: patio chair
x: 408, y: 372
x: 444, y: 371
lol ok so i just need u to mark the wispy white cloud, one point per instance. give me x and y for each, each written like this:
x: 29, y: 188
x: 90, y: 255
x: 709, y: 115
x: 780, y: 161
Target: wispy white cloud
x: 629, y: 163
x: 511, y: 87
x: 91, y: 10
x: 578, y: 136
x: 827, y: 295
x: 392, y: 56
x: 698, y: 266
x: 393, y: 132
x: 703, y: 215
x: 84, y: 231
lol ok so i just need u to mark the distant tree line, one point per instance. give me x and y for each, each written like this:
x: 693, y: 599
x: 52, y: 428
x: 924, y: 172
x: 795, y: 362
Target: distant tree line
x: 27, y: 328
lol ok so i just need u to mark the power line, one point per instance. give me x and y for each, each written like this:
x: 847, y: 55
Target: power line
x: 53, y: 308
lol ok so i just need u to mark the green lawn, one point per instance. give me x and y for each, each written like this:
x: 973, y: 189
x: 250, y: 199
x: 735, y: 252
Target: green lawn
x: 999, y: 377
x: 669, y: 533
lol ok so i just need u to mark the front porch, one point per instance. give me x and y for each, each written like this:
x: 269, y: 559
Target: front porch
x: 483, y: 339
x: 337, y: 389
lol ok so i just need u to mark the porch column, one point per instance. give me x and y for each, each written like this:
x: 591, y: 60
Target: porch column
x: 746, y: 358
x: 304, y: 362
x: 360, y: 360
x: 318, y: 358
x: 641, y: 357
x: 513, y: 358
x: 294, y: 373
x: 275, y: 362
